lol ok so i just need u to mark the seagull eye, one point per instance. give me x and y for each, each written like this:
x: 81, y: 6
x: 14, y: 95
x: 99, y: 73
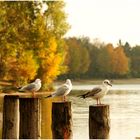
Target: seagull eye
x: 106, y: 82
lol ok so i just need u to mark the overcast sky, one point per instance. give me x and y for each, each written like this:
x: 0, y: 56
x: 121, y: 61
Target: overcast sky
x: 108, y: 20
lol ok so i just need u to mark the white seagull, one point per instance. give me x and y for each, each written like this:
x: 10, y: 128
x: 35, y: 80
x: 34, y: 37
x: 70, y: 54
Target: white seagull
x: 32, y: 87
x: 98, y: 92
x: 63, y: 90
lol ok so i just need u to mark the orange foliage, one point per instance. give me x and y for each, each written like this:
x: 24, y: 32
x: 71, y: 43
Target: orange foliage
x: 119, y: 61
x: 51, y: 63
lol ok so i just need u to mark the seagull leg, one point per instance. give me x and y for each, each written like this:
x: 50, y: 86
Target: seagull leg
x: 64, y: 98
x: 100, y: 101
x: 97, y: 101
x: 33, y: 93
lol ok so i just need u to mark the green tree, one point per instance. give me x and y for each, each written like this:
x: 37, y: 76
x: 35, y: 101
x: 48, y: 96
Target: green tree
x: 94, y: 51
x: 73, y: 56
x: 135, y: 61
x: 56, y: 18
x: 77, y: 57
x: 127, y: 49
x: 104, y: 61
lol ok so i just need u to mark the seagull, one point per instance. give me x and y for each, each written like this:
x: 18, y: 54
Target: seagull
x: 32, y: 87
x: 98, y: 92
x: 63, y: 90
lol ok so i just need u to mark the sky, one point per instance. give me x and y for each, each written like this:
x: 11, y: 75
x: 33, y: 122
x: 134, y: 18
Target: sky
x: 107, y: 20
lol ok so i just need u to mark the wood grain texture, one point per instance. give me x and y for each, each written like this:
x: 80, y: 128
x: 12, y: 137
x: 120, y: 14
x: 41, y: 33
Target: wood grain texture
x: 10, y: 128
x: 99, y: 122
x: 61, y: 120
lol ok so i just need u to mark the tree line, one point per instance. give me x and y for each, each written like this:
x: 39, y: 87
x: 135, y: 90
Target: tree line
x: 86, y: 59
x: 32, y: 45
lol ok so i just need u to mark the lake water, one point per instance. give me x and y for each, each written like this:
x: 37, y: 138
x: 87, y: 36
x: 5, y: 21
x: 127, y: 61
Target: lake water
x: 124, y: 101
x: 124, y: 111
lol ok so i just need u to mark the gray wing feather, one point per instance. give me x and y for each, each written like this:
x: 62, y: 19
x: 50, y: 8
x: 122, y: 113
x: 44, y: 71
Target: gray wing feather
x: 60, y: 91
x: 93, y: 92
x: 28, y: 87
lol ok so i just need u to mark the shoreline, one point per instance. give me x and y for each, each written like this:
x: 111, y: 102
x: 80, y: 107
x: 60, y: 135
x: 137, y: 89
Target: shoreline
x: 99, y: 81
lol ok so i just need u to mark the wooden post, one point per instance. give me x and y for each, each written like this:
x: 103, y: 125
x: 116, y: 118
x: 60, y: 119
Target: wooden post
x: 10, y: 128
x: 99, y: 122
x: 61, y: 120
x: 30, y: 118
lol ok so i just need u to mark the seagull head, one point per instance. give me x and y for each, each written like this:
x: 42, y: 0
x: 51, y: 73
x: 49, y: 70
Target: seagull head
x: 68, y: 81
x: 107, y: 83
x: 37, y: 81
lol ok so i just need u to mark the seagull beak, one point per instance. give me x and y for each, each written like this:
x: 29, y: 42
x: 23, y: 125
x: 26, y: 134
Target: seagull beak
x: 110, y: 84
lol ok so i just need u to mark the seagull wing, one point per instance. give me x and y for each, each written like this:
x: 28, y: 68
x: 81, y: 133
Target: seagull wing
x: 61, y: 90
x: 93, y: 92
x: 29, y: 87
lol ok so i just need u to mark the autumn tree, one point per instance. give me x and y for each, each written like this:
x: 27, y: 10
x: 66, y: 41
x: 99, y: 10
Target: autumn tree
x: 32, y: 41
x: 73, y: 55
x: 26, y: 67
x: 120, y: 62
x: 53, y: 50
x: 104, y: 60
x: 111, y: 62
x: 15, y: 32
x: 77, y: 57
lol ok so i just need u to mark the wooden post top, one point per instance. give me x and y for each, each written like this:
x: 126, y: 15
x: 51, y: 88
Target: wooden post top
x: 62, y: 102
x: 102, y: 105
x: 25, y: 94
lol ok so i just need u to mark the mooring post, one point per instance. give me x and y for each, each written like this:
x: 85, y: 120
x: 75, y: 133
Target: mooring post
x: 99, y: 122
x: 10, y: 128
x: 61, y: 120
x: 30, y: 118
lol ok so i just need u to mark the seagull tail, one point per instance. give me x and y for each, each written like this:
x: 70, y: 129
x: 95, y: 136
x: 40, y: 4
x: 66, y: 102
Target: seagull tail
x: 83, y: 95
x: 48, y: 96
x: 21, y: 89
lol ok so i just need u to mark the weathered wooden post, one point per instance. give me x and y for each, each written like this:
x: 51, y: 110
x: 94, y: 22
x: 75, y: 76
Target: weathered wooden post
x: 99, y: 122
x: 10, y: 128
x: 61, y: 120
x: 30, y: 118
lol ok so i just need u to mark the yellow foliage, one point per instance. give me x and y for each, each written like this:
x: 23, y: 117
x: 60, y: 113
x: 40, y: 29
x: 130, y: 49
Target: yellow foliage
x: 52, y: 44
x: 24, y: 68
x: 115, y: 60
x: 119, y: 61
x: 51, y: 62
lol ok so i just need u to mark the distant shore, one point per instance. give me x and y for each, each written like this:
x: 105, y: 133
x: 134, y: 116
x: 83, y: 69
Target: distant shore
x: 98, y: 81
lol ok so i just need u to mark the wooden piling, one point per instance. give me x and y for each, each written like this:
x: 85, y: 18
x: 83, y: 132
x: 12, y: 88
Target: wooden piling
x: 30, y: 118
x: 99, y: 122
x: 10, y: 128
x: 61, y: 120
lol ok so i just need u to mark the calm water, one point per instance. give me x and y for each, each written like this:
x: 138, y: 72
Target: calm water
x: 124, y: 101
x: 124, y: 112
